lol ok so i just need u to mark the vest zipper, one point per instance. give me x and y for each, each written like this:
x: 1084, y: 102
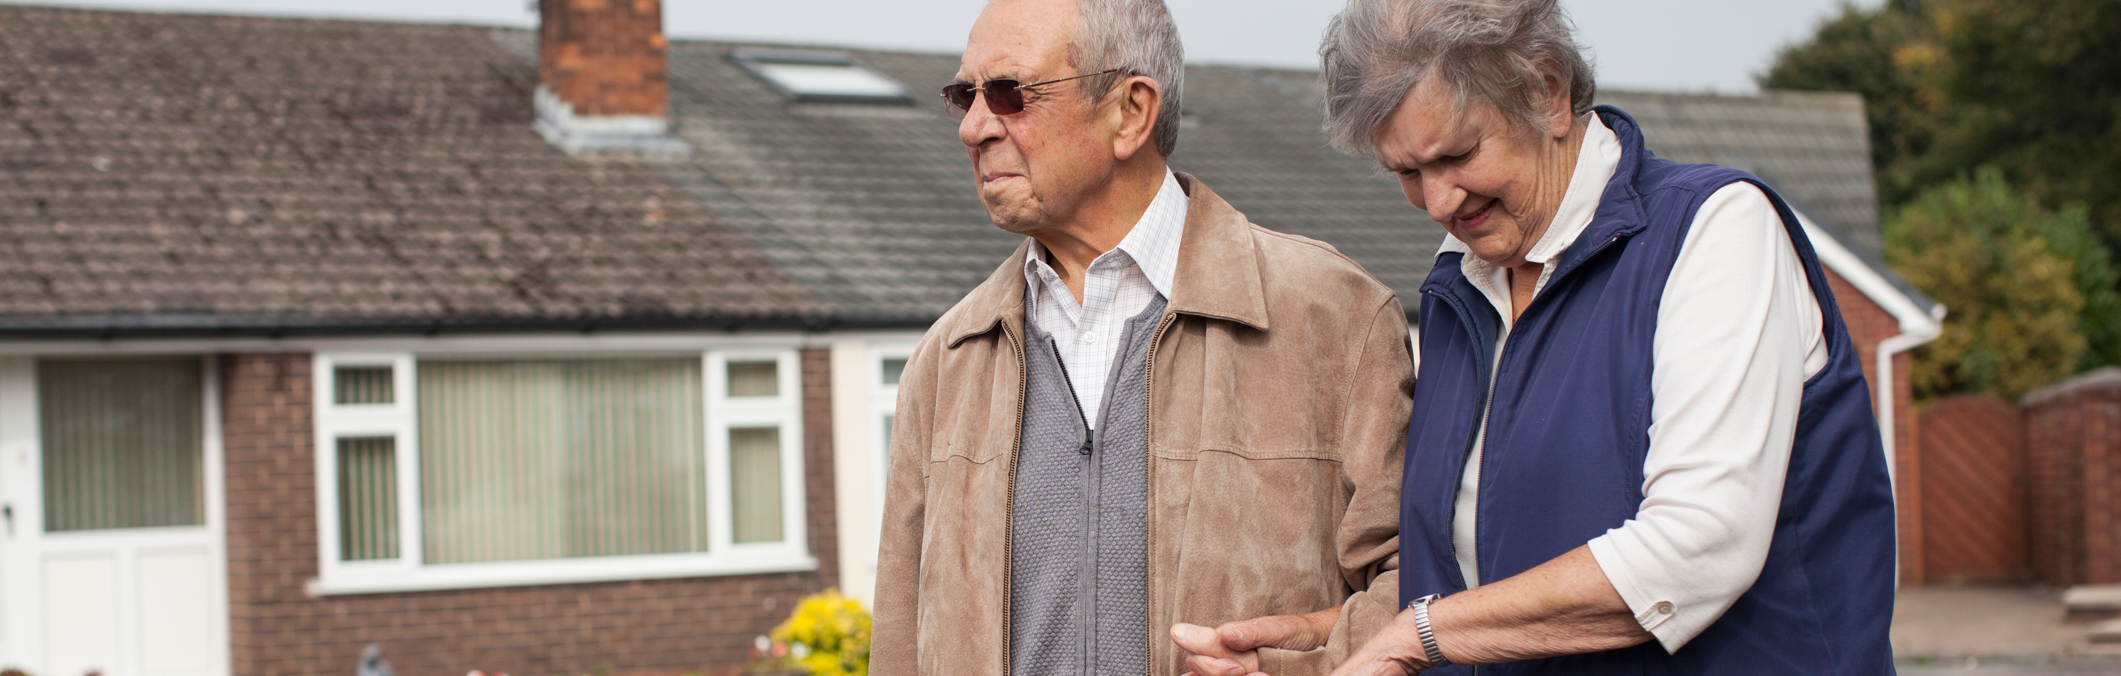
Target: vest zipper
x: 1149, y: 484
x: 1493, y: 366
x: 1487, y: 399
x: 1016, y: 447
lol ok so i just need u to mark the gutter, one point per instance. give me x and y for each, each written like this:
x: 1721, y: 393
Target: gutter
x: 1917, y: 324
x: 1887, y: 349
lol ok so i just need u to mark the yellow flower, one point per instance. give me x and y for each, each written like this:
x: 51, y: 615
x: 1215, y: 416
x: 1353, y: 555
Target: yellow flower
x: 836, y: 630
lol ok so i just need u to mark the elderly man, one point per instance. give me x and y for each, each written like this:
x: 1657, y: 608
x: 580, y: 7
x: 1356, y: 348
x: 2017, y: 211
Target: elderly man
x: 1642, y: 441
x: 1154, y: 412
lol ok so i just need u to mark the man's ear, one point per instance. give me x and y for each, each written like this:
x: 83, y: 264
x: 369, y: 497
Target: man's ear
x: 1139, y: 101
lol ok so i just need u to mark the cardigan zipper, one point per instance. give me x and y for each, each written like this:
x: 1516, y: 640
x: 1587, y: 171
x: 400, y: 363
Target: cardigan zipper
x: 1088, y: 564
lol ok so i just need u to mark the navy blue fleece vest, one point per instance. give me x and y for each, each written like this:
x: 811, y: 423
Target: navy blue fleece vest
x: 1569, y: 431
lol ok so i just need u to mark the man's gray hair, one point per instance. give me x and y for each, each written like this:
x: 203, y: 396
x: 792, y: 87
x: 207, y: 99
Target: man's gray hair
x: 1494, y: 52
x: 1138, y: 38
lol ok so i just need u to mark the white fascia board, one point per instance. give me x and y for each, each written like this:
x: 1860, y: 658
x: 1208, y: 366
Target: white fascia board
x: 1913, y: 319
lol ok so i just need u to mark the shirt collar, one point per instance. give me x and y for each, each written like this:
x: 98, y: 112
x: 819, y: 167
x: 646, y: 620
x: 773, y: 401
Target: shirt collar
x: 1152, y: 244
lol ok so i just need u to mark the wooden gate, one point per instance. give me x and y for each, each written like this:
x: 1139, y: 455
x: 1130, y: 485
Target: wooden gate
x: 1972, y: 480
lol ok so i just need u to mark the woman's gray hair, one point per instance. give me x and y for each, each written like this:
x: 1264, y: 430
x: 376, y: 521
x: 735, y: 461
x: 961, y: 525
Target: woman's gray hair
x: 1138, y: 38
x: 1494, y: 52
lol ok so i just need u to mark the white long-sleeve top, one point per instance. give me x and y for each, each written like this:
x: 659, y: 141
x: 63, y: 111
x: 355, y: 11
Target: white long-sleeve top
x: 1738, y: 334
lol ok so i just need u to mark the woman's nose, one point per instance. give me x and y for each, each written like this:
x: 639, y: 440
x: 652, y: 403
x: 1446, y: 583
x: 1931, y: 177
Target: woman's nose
x: 1441, y: 196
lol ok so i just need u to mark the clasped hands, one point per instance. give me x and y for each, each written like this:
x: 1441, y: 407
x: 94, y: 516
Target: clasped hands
x: 1233, y: 649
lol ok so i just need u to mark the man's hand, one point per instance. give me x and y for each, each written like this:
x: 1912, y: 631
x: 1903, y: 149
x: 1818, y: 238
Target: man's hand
x: 1233, y: 649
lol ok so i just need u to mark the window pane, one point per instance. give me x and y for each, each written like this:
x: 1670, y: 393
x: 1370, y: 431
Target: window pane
x: 368, y: 498
x: 888, y: 419
x: 754, y: 379
x: 363, y: 385
x: 122, y: 445
x: 830, y: 79
x: 755, y: 483
x: 561, y: 458
x: 893, y: 368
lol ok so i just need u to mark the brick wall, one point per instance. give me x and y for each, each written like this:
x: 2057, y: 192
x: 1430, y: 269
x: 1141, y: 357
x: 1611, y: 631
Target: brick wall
x: 655, y: 626
x: 604, y: 56
x: 2073, y: 431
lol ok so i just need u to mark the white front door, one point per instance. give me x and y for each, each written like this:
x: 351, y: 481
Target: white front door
x: 111, y: 555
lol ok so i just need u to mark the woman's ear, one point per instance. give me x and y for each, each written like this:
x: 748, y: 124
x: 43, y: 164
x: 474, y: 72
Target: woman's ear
x: 1559, y: 111
x: 1140, y: 102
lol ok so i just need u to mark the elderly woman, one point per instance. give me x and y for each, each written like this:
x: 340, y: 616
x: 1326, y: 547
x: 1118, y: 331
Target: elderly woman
x: 1641, y: 439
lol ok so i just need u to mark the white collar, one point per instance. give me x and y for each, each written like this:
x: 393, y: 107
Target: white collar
x: 1596, y: 162
x: 1152, y: 244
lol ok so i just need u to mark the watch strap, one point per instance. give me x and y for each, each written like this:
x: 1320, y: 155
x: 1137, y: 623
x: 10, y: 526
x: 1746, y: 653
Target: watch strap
x: 1425, y: 632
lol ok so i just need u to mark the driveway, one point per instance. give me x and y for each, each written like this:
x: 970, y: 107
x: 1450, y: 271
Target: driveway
x: 1994, y: 631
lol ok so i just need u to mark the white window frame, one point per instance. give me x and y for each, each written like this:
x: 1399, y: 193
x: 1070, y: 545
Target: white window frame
x: 883, y: 399
x: 400, y: 420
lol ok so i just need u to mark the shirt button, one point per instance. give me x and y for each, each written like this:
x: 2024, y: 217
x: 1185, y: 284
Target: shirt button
x: 1089, y: 338
x: 1663, y: 607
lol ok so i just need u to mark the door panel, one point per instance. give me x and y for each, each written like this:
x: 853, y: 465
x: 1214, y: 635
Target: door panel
x: 174, y: 594
x: 80, y: 614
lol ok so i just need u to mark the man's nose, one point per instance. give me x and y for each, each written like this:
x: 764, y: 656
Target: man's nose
x: 980, y: 124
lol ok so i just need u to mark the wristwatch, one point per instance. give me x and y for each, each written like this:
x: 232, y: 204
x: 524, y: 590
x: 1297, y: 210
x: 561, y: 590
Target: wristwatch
x: 1420, y: 607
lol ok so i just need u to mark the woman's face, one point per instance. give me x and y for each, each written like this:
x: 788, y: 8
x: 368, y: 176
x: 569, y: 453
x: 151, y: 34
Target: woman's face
x: 1494, y: 186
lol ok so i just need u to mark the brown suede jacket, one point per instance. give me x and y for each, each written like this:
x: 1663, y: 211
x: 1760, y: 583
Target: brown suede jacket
x: 1280, y: 381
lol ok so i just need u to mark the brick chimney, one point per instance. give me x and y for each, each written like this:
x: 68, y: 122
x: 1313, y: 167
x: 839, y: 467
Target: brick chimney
x: 601, y: 77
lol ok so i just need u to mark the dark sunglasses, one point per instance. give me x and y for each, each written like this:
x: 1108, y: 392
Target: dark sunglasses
x: 1004, y: 97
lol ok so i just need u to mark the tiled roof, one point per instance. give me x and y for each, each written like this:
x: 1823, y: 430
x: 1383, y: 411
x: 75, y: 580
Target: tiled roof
x: 185, y: 174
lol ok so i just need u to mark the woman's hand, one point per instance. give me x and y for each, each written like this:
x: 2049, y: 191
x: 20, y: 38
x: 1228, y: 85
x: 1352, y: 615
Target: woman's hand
x: 1394, y: 651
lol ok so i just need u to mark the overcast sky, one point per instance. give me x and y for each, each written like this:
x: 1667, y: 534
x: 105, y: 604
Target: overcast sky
x: 1692, y: 45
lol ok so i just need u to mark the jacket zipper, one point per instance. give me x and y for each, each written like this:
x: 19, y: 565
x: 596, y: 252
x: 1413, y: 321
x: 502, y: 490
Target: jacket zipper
x: 1149, y: 488
x: 1487, y: 399
x: 1016, y: 446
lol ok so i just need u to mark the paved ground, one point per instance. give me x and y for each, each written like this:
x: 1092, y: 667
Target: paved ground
x: 1994, y: 631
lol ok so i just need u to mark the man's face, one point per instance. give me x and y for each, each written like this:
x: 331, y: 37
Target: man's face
x: 1034, y: 166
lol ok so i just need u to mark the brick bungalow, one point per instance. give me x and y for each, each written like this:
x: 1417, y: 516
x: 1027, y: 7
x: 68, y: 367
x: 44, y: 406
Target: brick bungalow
x: 562, y: 351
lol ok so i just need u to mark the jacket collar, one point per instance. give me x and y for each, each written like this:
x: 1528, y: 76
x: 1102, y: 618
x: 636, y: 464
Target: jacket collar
x: 1218, y: 274
x: 1620, y: 207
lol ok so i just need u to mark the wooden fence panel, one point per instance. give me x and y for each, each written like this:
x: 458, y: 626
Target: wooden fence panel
x: 1973, y: 483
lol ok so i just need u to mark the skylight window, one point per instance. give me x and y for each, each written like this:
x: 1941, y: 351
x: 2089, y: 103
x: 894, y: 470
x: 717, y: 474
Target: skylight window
x: 821, y: 76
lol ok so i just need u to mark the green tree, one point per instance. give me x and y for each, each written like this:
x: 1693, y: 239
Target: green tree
x: 2035, y: 90
x: 2030, y: 91
x: 1892, y: 57
x: 2027, y: 286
